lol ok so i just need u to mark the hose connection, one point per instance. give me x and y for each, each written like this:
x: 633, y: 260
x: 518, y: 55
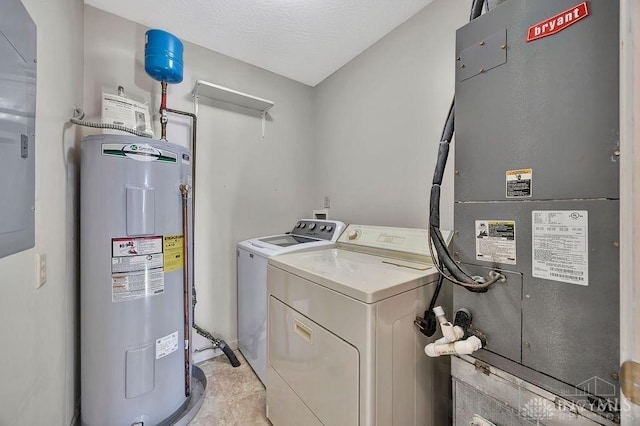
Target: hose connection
x: 457, y: 338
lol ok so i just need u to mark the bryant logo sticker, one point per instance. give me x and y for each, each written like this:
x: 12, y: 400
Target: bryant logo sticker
x: 557, y: 23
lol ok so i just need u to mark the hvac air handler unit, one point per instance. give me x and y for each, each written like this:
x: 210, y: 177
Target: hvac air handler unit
x: 135, y: 360
x: 536, y: 199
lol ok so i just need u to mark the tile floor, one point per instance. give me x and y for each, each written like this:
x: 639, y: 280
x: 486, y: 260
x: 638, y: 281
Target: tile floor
x: 234, y: 396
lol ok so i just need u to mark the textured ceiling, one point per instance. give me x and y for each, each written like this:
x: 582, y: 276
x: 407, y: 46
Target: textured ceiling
x: 305, y: 40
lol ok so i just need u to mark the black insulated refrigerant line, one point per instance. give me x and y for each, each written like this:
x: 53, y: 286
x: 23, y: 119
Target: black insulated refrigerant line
x: 458, y: 276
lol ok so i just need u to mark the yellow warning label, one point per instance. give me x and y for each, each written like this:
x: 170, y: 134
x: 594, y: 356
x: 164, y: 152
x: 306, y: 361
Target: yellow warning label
x: 519, y: 172
x: 173, y: 255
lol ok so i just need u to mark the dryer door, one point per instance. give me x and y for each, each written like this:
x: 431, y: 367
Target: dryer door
x: 318, y: 366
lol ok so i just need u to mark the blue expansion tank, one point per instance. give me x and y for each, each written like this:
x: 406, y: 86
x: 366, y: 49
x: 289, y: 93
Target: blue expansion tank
x: 163, y: 56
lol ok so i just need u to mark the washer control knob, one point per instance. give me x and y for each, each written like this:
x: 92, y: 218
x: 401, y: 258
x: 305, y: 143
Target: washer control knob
x: 312, y: 226
x: 329, y: 228
x: 304, y: 225
x: 298, y: 225
x: 323, y: 227
x: 353, y: 235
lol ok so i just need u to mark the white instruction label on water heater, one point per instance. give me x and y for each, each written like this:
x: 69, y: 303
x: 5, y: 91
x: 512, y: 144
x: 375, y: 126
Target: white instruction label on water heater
x: 123, y: 247
x: 125, y: 112
x: 560, y: 245
x: 496, y: 241
x: 137, y: 268
x: 166, y: 345
x: 136, y: 285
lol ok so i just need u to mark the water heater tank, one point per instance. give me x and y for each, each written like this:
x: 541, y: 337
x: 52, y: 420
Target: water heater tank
x: 132, y: 323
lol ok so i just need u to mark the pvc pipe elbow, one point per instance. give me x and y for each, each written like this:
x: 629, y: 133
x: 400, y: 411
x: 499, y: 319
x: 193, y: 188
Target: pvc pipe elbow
x: 450, y: 332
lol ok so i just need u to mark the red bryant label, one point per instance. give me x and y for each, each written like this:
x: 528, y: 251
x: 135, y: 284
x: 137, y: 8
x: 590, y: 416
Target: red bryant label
x: 557, y: 23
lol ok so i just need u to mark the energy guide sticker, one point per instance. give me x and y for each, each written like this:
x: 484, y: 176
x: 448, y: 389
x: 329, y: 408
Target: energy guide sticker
x: 136, y: 268
x: 560, y: 245
x: 173, y: 252
x: 496, y: 241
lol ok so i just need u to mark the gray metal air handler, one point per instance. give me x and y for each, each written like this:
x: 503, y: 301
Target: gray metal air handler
x: 536, y: 197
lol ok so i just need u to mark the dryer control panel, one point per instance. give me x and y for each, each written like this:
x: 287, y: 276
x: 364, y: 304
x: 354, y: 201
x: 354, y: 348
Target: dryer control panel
x: 403, y: 241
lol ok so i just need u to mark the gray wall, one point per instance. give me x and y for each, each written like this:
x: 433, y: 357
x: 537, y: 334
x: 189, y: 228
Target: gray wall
x: 247, y: 186
x: 379, y: 121
x: 39, y: 331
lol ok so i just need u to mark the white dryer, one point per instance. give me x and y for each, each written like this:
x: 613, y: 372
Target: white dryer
x: 342, y: 345
x: 307, y: 234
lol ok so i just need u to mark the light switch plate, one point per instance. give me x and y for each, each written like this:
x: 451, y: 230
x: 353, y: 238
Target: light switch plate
x: 41, y: 269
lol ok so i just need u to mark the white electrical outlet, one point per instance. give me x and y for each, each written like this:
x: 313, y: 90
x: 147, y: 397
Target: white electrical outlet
x: 327, y: 202
x: 41, y: 269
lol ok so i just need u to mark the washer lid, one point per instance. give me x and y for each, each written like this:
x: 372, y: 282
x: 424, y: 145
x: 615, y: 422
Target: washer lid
x: 362, y: 276
x: 286, y: 240
x: 265, y: 247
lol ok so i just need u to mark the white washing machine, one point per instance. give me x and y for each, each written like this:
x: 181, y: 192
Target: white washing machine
x: 307, y: 234
x: 342, y: 346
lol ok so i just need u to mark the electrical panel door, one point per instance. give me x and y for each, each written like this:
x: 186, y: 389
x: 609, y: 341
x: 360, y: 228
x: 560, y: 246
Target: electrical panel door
x: 17, y: 128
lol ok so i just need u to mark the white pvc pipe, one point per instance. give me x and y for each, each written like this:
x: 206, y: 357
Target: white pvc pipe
x: 461, y: 347
x: 450, y: 332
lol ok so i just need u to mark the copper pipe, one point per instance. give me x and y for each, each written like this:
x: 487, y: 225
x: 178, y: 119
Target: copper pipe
x: 194, y: 132
x: 184, y: 190
x: 163, y: 110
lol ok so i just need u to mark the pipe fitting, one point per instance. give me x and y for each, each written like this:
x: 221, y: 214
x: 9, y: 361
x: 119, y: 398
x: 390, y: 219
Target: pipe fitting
x: 185, y: 189
x: 497, y: 276
x: 450, y: 332
x: 461, y: 347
